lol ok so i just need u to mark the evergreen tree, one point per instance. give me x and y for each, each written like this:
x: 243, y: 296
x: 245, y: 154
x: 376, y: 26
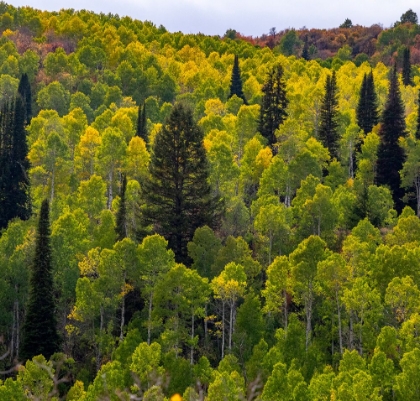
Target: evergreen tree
x: 25, y: 92
x: 273, y: 106
x: 177, y: 194
x: 390, y: 154
x: 40, y: 328
x: 142, y: 123
x: 367, y: 108
x: 236, y: 81
x: 305, y: 50
x: 328, y: 129
x: 14, y: 164
x: 406, y: 70
x: 121, y: 226
x: 418, y: 119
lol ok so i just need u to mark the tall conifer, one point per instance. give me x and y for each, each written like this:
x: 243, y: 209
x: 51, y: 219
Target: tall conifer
x: 418, y: 118
x: 390, y: 154
x: 14, y: 164
x: 40, y: 328
x: 328, y: 129
x: 367, y: 108
x: 142, y: 123
x: 177, y: 194
x: 236, y: 81
x: 25, y: 92
x: 273, y: 106
x: 406, y: 70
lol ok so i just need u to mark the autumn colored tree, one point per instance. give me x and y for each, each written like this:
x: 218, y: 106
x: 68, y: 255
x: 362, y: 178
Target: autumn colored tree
x: 177, y: 194
x: 390, y: 154
x: 273, y: 106
x: 40, y: 329
x: 328, y: 129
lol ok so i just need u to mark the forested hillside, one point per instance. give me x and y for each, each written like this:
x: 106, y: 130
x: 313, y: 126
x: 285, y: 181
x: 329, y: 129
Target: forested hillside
x: 207, y: 218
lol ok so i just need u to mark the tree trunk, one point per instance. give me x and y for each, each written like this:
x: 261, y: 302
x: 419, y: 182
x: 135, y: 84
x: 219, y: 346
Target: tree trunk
x: 110, y: 178
x: 340, y: 334
x: 308, y: 311
x: 285, y: 316
x: 223, y: 329
x: 351, y: 333
x: 418, y: 195
x: 231, y: 326
x: 52, y: 184
x: 149, y: 323
x: 351, y: 166
x: 122, y: 318
x: 192, y: 340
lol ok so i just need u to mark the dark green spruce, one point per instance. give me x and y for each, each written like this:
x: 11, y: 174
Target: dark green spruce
x: 328, y: 129
x: 40, y: 328
x: 305, y: 50
x: 121, y: 224
x: 406, y: 69
x: 418, y: 118
x: 177, y: 195
x: 14, y: 164
x: 273, y: 106
x: 25, y: 92
x: 367, y: 109
x: 142, y: 123
x: 390, y: 154
x: 236, y: 81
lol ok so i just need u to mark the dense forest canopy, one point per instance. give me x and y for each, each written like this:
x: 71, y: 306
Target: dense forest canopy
x: 219, y: 218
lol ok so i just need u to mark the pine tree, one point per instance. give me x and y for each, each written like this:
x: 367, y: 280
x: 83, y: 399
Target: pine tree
x: 305, y: 50
x: 236, y: 81
x: 177, y: 194
x: 14, y: 164
x: 40, y: 328
x: 121, y: 224
x: 328, y: 129
x: 367, y: 108
x: 418, y: 118
x: 406, y: 70
x: 25, y: 92
x: 273, y: 106
x: 390, y: 154
x: 142, y: 123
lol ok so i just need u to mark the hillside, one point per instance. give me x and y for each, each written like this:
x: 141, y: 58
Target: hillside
x: 220, y: 218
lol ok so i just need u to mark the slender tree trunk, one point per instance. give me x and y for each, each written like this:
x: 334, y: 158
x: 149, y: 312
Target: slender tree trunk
x: 308, y: 311
x: 149, y: 323
x: 351, y: 166
x: 223, y: 329
x: 52, y: 184
x: 270, y: 246
x: 205, y: 325
x: 110, y: 179
x: 285, y: 315
x: 230, y: 326
x: 17, y: 344
x: 351, y: 332
x: 99, y: 351
x: 122, y: 318
x: 340, y: 335
x: 192, y: 340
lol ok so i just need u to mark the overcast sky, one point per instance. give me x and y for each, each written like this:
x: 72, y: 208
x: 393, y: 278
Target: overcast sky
x: 250, y: 17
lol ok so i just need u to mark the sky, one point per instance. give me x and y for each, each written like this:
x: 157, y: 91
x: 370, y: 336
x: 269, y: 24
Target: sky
x: 249, y: 17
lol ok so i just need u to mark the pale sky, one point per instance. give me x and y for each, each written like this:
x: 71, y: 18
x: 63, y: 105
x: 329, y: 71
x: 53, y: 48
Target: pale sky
x: 249, y: 17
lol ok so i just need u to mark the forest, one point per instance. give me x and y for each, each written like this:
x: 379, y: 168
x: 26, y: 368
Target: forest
x: 192, y: 217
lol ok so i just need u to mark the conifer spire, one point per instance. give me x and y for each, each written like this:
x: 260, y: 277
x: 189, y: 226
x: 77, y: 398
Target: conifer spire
x: 40, y: 329
x: 328, y: 130
x: 236, y: 81
x: 390, y: 154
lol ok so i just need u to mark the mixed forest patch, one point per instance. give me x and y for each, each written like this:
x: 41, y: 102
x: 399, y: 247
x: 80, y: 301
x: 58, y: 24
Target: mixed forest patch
x: 222, y: 218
